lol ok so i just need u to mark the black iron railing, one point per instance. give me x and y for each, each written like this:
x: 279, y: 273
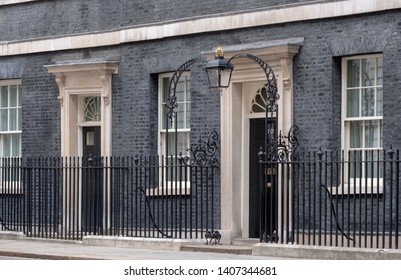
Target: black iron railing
x: 332, y: 199
x: 68, y: 198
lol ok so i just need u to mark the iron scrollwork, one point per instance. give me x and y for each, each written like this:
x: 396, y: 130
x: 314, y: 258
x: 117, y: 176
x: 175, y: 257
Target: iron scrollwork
x: 203, y: 153
x: 282, y: 149
x: 287, y: 145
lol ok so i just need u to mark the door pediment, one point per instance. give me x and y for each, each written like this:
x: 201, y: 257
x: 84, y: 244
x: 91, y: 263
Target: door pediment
x: 76, y: 80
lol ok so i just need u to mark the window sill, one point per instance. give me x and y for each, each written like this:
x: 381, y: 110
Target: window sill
x: 183, y: 190
x: 356, y: 189
x: 7, y: 190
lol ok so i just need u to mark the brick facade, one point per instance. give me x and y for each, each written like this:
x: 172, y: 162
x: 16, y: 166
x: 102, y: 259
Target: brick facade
x: 317, y: 68
x: 317, y: 84
x: 54, y: 18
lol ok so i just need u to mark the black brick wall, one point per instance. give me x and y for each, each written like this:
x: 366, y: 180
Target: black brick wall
x: 317, y: 83
x: 49, y: 17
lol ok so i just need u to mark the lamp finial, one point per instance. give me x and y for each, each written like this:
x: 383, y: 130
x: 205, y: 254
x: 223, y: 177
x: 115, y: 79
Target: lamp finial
x: 219, y: 52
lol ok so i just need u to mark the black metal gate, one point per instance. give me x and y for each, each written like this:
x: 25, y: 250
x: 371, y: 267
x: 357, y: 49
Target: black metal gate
x: 275, y: 182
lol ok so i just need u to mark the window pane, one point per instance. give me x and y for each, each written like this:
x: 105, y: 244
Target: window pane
x: 19, y: 119
x: 380, y: 71
x: 180, y: 90
x: 19, y: 96
x: 181, y: 115
x: 13, y: 96
x: 374, y: 166
x: 372, y: 134
x: 181, y: 144
x: 13, y: 115
x: 355, y: 164
x: 353, y: 103
x: 356, y: 132
x: 188, y: 119
x: 11, y: 145
x: 4, y: 120
x: 90, y: 138
x: 166, y: 83
x: 259, y: 102
x: 92, y: 109
x: 16, y: 145
x: 171, y: 144
x: 368, y: 72
x: 188, y: 88
x: 379, y: 102
x: 256, y: 108
x: 259, y: 99
x: 353, y: 69
x: 368, y: 102
x: 7, y: 145
x: 164, y: 117
x: 4, y: 97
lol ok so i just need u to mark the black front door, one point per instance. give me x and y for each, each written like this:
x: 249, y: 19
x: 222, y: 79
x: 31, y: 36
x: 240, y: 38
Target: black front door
x: 256, y: 140
x: 92, y: 181
x: 262, y: 190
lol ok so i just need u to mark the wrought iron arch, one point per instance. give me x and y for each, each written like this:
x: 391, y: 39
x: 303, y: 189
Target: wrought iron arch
x: 171, y: 103
x: 272, y: 93
x: 277, y: 146
x: 203, y: 152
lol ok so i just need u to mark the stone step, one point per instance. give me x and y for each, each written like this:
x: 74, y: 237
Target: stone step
x: 245, y: 241
x: 223, y: 249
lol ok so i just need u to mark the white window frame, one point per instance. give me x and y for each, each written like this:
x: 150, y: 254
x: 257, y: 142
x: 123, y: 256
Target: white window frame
x: 356, y: 185
x: 11, y: 187
x: 167, y: 187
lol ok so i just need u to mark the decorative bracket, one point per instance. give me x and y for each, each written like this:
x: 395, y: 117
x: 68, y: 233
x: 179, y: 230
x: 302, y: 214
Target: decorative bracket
x: 60, y: 83
x: 286, y: 70
x: 106, y: 89
x: 282, y: 149
x: 203, y: 152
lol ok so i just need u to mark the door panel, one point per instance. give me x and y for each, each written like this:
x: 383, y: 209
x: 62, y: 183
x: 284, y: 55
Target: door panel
x: 91, y: 141
x: 256, y: 140
x: 262, y: 199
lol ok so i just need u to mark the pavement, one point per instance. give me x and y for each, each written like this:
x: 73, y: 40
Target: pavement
x: 16, y: 245
x: 70, y: 250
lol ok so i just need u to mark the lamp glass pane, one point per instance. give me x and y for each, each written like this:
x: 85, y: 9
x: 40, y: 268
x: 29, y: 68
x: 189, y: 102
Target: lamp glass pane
x: 225, y: 77
x: 213, y: 76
